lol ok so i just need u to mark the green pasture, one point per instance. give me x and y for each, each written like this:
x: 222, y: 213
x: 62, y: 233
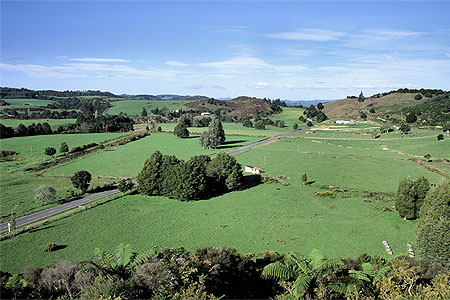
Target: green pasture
x: 262, y: 217
x: 54, y: 123
x: 129, y: 159
x: 23, y: 103
x: 17, y: 186
x: 134, y: 107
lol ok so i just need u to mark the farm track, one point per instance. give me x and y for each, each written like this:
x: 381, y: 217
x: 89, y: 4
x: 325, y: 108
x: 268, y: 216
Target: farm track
x: 73, y: 204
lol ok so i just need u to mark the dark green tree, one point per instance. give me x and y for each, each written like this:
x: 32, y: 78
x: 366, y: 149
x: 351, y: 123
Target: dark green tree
x: 188, y: 180
x: 81, y: 180
x: 155, y: 171
x: 309, y: 124
x: 372, y: 110
x: 125, y: 185
x: 220, y: 169
x: 405, y: 128
x: 217, y: 130
x: 144, y: 113
x: 295, y: 126
x: 405, y: 200
x: 181, y: 130
x: 361, y: 97
x: 247, y: 123
x: 64, y: 148
x: 411, y: 117
x: 421, y: 188
x: 260, y: 125
x: 214, y: 136
x: 362, y: 115
x: 433, y: 231
x: 50, y: 151
x: 440, y: 137
x: 319, y: 106
x: 418, y: 97
x: 304, y: 178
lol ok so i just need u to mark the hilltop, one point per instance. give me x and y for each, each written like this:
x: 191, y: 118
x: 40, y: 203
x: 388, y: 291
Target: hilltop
x: 240, y: 106
x: 390, y: 102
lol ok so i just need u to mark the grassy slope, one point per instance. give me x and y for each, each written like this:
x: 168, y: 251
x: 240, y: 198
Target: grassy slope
x: 134, y: 107
x: 17, y: 186
x: 349, y: 108
x: 268, y: 216
x: 20, y: 103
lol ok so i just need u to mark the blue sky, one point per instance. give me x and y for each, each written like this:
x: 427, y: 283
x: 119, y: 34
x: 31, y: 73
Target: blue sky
x: 279, y: 49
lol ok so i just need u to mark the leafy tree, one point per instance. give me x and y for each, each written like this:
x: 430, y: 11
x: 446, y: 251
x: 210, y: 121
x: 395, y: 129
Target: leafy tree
x: 295, y: 126
x: 16, y: 285
x: 125, y: 185
x: 144, y: 113
x: 214, y: 136
x: 405, y: 128
x: 302, y: 119
x: 446, y: 127
x: 260, y: 125
x: 159, y: 129
x: 247, y: 123
x: 181, y: 130
x: 60, y: 278
x: 418, y: 97
x: 64, y: 148
x: 405, y: 200
x: 45, y: 194
x: 308, y: 273
x: 226, y: 173
x: 319, y: 106
x: 150, y: 179
x: 440, y: 137
x: 433, y: 231
x: 50, y: 151
x: 81, y: 180
x: 321, y: 116
x: 361, y: 97
x: 410, y: 196
x: 428, y: 157
x: 372, y: 110
x: 280, y: 124
x: 309, y: 124
x: 411, y: 117
x: 362, y: 115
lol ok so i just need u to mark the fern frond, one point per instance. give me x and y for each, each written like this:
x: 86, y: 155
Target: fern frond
x: 123, y: 254
x: 105, y: 259
x: 142, y: 257
x: 382, y: 273
x: 338, y: 287
x: 278, y: 271
x: 330, y: 263
x: 367, y: 268
x: 359, y: 275
x: 301, y: 285
x: 316, y: 257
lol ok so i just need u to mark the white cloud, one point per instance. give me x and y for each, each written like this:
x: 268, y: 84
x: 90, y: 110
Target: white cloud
x: 448, y: 54
x: 390, y: 33
x: 100, y: 60
x: 318, y: 35
x: 237, y: 63
x: 259, y: 85
x: 174, y: 63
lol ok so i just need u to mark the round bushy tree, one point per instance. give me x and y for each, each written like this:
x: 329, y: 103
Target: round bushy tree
x: 45, y: 194
x: 440, y: 137
x: 433, y: 231
x: 421, y: 187
x: 214, y: 136
x: 411, y: 117
x: 405, y: 128
x: 404, y: 199
x: 260, y: 125
x: 181, y: 130
x: 247, y: 123
x: 418, y: 97
x: 81, y: 180
x: 50, y: 151
x: 295, y: 126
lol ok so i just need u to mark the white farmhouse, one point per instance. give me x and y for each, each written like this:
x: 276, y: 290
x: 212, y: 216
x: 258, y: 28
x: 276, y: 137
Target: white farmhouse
x: 351, y: 122
x: 252, y: 170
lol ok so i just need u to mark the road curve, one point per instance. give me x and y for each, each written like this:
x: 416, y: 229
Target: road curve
x: 66, y: 206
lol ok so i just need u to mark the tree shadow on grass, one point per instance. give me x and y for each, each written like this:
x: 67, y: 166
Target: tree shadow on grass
x: 251, y: 181
x: 230, y: 144
x: 59, y: 247
x: 192, y: 137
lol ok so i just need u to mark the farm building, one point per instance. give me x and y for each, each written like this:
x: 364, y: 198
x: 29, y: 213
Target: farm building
x: 252, y: 170
x: 351, y: 122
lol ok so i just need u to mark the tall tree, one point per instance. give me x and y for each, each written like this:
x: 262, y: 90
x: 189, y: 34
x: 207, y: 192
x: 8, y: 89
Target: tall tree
x: 181, y: 130
x: 361, y: 97
x: 45, y: 194
x: 433, y: 231
x: 64, y: 148
x: 214, y: 136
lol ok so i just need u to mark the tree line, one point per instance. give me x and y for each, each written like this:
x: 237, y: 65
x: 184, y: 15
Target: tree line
x: 22, y: 93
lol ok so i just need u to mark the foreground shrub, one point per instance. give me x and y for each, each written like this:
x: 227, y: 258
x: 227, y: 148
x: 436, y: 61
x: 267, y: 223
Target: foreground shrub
x: 50, y: 247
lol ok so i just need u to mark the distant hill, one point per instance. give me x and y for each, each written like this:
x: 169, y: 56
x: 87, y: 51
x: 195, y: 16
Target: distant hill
x: 240, y: 106
x: 306, y: 103
x: 164, y: 97
x: 22, y: 93
x: 389, y: 102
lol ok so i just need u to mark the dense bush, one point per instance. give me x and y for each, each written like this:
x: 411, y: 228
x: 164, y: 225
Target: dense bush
x: 410, y: 196
x: 197, y: 178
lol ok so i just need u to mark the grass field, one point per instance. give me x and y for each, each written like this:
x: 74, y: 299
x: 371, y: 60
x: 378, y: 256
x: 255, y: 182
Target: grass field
x: 54, y: 123
x: 134, y: 107
x: 17, y: 186
x: 264, y: 217
x: 21, y: 103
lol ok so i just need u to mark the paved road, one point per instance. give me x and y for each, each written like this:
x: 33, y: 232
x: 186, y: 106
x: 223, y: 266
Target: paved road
x: 66, y: 206
x: 57, y: 209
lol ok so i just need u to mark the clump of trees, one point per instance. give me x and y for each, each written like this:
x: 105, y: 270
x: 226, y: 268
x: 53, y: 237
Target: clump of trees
x: 198, y: 178
x: 45, y: 194
x: 181, y: 130
x: 314, y: 113
x: 214, y: 136
x: 410, y: 196
x: 433, y: 231
x: 50, y: 151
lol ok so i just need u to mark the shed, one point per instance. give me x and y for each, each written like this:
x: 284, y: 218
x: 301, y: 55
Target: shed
x: 252, y: 170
